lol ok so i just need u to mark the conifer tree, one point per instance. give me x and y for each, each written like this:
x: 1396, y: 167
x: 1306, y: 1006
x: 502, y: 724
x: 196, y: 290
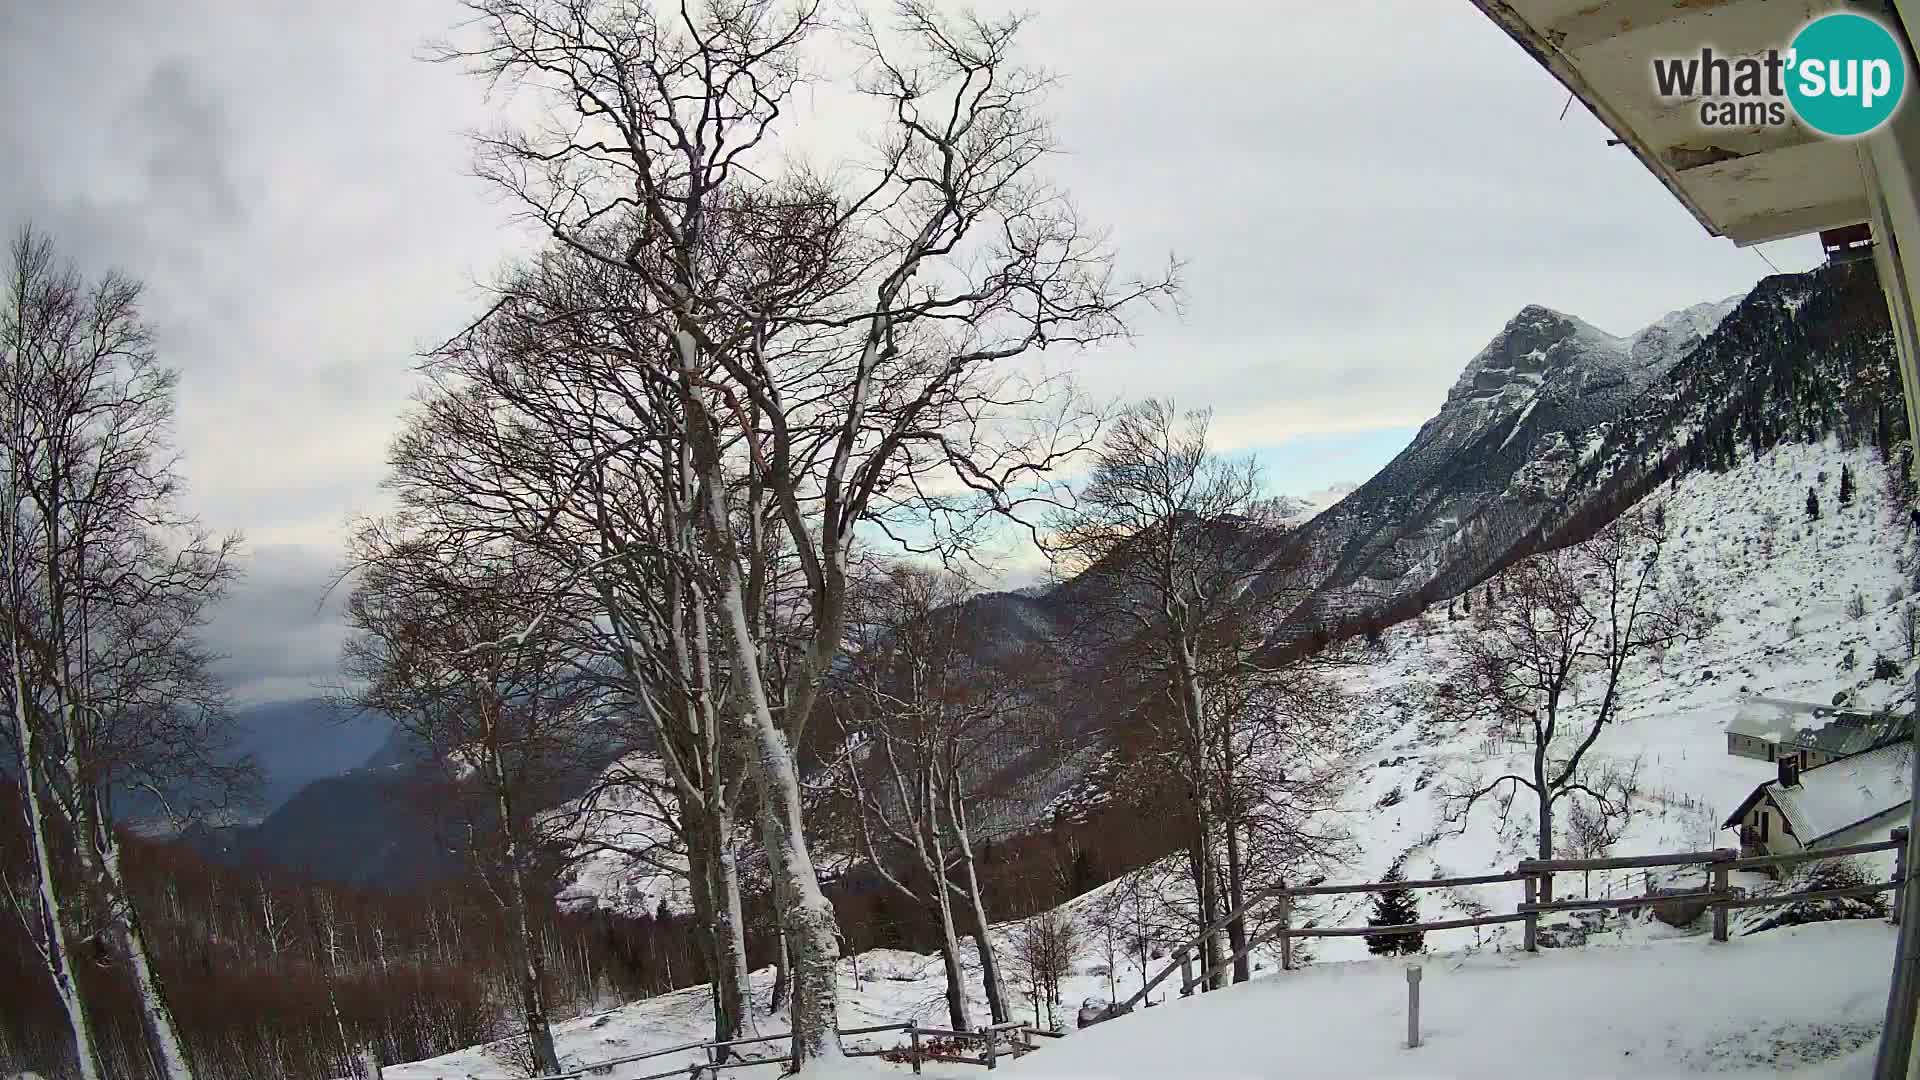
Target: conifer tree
x: 1846, y: 484
x: 1395, y: 907
x: 1813, y: 505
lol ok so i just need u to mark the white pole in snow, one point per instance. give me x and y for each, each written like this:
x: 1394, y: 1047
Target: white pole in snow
x: 1413, y: 1006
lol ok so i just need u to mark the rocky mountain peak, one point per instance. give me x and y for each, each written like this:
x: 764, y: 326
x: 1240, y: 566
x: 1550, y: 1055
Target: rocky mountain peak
x: 1533, y: 343
x: 1670, y: 338
x: 1539, y: 341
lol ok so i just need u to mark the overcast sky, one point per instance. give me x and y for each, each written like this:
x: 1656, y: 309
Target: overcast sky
x: 1364, y: 192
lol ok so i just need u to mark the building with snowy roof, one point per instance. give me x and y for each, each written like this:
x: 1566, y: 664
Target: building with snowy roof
x: 1768, y: 729
x: 1853, y: 800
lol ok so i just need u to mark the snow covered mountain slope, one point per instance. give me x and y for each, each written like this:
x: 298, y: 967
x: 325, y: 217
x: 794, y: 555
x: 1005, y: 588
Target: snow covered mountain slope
x: 1806, y: 352
x: 1782, y: 586
x: 624, y: 855
x: 1297, y: 510
x: 1509, y: 427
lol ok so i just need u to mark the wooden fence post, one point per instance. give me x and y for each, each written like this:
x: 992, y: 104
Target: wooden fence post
x: 1533, y: 917
x: 1722, y: 893
x: 993, y: 1037
x: 1286, y: 925
x: 913, y: 1037
x: 1186, y: 972
x: 1899, y: 871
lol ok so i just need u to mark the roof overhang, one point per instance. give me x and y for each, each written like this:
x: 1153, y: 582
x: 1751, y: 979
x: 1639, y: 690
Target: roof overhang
x: 1749, y: 184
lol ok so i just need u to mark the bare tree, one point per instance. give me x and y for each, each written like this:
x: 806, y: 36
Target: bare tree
x: 1595, y: 825
x: 107, y: 584
x: 1045, y: 946
x: 447, y: 644
x: 1277, y: 739
x: 835, y: 345
x: 1166, y: 533
x: 551, y: 425
x: 1576, y: 629
x: 928, y: 718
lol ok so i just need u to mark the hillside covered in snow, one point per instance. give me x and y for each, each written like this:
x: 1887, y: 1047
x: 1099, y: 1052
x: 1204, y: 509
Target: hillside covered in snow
x: 1803, y: 610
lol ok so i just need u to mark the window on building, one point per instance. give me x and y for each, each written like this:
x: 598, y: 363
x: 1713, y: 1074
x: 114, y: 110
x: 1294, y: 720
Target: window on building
x: 1764, y: 817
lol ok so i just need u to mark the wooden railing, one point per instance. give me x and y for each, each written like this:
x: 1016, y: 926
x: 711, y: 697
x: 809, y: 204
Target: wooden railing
x: 1536, y: 874
x: 1718, y: 896
x: 1018, y: 1036
x: 1537, y: 877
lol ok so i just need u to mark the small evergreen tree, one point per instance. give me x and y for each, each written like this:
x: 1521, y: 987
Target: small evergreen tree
x: 1466, y: 602
x: 1846, y: 484
x: 1081, y: 876
x: 1813, y: 505
x: 1395, y: 907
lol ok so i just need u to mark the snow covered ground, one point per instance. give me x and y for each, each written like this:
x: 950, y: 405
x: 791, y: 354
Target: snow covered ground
x: 891, y: 987
x: 1805, y: 1002
x: 1641, y: 999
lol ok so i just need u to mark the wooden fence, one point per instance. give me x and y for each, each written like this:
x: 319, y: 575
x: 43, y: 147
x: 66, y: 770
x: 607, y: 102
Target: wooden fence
x: 919, y: 1047
x: 1537, y: 877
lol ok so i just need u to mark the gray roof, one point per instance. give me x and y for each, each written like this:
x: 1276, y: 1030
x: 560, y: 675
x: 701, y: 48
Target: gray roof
x: 1844, y: 793
x: 1801, y: 725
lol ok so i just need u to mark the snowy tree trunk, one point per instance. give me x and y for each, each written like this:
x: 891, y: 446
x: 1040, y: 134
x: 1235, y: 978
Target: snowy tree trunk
x: 163, y: 1034
x: 1236, y: 895
x: 730, y: 939
x: 1193, y: 708
x: 990, y: 971
x: 956, y: 976
x: 997, y: 1005
x: 782, y: 959
x: 54, y: 938
x: 782, y: 972
x: 808, y: 919
x: 1214, y: 950
x: 330, y: 927
x: 714, y: 881
x: 808, y: 922
x: 99, y: 856
x: 1546, y: 816
x: 943, y: 908
x: 700, y: 890
x: 533, y: 994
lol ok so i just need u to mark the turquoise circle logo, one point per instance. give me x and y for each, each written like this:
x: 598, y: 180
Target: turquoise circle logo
x: 1847, y: 74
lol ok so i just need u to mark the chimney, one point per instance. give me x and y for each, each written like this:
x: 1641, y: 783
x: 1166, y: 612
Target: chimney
x: 1789, y: 770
